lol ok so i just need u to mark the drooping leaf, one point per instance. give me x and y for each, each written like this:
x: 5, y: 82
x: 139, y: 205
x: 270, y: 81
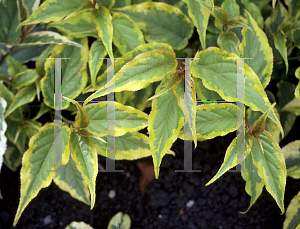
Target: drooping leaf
x: 14, y: 67
x: 120, y: 221
x: 84, y: 154
x: 127, y: 35
x: 11, y: 132
x: 83, y: 118
x: 280, y: 44
x: 229, y: 42
x: 297, y: 90
x: 255, y: 45
x: 12, y: 157
x: 293, y: 6
x: 127, y: 119
x: 70, y: 180
x: 74, y: 72
x: 231, y: 159
x: 292, y: 158
x: 254, y: 184
x: 47, y: 37
x: 165, y: 121
x: 4, y: 78
x: 269, y: 161
x: 97, y: 51
x: 215, y: 119
x: 210, y: 67
x: 24, y: 96
x: 37, y: 163
x: 292, y: 219
x: 144, y: 69
x: 25, y: 78
x: 199, y: 15
x: 278, y: 16
x: 103, y: 21
x: 156, y: 19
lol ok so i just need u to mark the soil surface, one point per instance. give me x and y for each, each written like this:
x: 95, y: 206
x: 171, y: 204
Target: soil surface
x: 175, y: 200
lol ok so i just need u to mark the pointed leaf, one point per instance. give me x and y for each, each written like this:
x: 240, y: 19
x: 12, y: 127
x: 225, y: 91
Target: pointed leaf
x: 293, y: 106
x: 107, y: 3
x: 52, y: 10
x: 4, y: 78
x: 86, y: 133
x: 44, y: 109
x: 231, y: 8
x: 120, y: 221
x: 127, y: 119
x: 280, y: 44
x: 127, y: 35
x: 37, y: 162
x: 278, y: 16
x: 254, y: 184
x: 271, y: 166
x: 69, y: 179
x: 11, y: 132
x: 14, y: 67
x: 292, y: 219
x: 12, y: 157
x: 47, y: 37
x: 260, y: 124
x: 220, y: 14
x: 86, y: 6
x: 236, y: 23
x: 297, y: 90
x: 103, y: 21
x: 273, y: 3
x: 40, y: 63
x: 229, y: 42
x: 210, y: 68
x: 255, y: 45
x: 215, y: 119
x: 24, y: 96
x: 25, y: 78
x: 292, y: 158
x: 84, y: 154
x: 157, y: 20
x: 291, y: 26
x: 83, y: 118
x: 74, y: 73
x: 97, y: 51
x: 164, y: 124
x: 230, y: 159
x: 140, y: 72
x: 199, y: 15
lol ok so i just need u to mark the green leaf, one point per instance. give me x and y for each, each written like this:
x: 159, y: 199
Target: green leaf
x: 291, y: 26
x: 43, y: 110
x: 4, y: 78
x: 84, y: 154
x: 47, y: 37
x: 220, y: 15
x: 296, y: 33
x: 255, y: 45
x: 254, y: 184
x: 230, y: 159
x: 74, y: 72
x: 120, y: 221
x: 78, y: 26
x: 292, y: 158
x: 236, y: 23
x: 37, y: 162
x: 293, y: 106
x: 127, y: 119
x: 278, y: 16
x: 69, y: 179
x: 23, y: 13
x: 9, y: 23
x: 11, y: 133
x: 24, y: 78
x: 280, y: 44
x: 229, y: 42
x: 24, y: 96
x: 78, y: 225
x: 144, y: 69
x: 40, y: 63
x: 119, y: 63
x: 12, y: 157
x: 83, y: 118
x: 165, y: 121
x: 130, y: 146
x: 86, y: 133
x: 218, y: 72
x: 215, y: 119
x: 271, y: 166
x: 199, y: 15
x: 127, y: 35
x: 203, y: 93
x: 293, y: 6
x: 231, y: 8
x: 14, y: 67
x: 103, y: 21
x: 255, y: 12
x: 273, y: 3
x: 31, y: 128
x: 97, y: 51
x: 157, y: 20
x: 52, y: 10
x: 176, y: 79
x: 107, y: 3
x: 260, y: 124
x: 86, y: 6
x: 292, y: 219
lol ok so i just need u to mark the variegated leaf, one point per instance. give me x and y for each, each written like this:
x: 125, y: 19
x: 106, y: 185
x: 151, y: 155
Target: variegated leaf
x: 292, y: 158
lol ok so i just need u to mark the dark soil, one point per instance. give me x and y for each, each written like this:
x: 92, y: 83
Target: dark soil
x: 165, y: 202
